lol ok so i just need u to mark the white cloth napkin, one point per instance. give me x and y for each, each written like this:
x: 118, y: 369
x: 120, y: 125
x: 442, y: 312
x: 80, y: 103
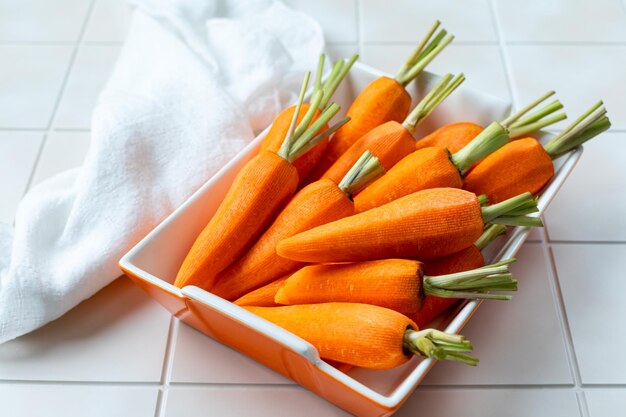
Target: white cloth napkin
x: 195, y: 80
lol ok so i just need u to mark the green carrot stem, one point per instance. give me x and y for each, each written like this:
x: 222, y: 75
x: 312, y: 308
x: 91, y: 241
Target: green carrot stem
x: 331, y: 84
x: 516, y: 116
x: 318, y: 74
x: 288, y: 141
x: 490, y: 139
x: 431, y: 343
x: 539, y: 114
x: 518, y: 132
x: 483, y: 200
x: 424, y: 53
x: 366, y: 170
x: 312, y: 136
x: 436, y: 96
x: 519, y: 205
x: 590, y: 124
x: 316, y: 99
x: 491, y: 232
x: 504, y: 262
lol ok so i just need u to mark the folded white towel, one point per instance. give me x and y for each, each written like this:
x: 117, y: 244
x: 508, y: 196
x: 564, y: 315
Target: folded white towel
x: 195, y: 80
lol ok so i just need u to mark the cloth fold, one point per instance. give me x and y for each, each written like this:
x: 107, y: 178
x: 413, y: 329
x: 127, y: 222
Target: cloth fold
x: 196, y: 79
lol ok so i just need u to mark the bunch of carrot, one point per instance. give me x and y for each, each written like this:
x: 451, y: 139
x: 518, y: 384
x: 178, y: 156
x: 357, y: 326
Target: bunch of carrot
x: 386, y: 231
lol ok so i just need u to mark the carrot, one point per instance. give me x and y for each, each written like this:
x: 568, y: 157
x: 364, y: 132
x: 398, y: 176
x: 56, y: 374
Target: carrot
x: 525, y: 165
x: 318, y: 203
x: 435, y: 167
x: 464, y: 260
x: 397, y: 284
x: 392, y: 141
x: 263, y: 186
x: 455, y: 136
x: 263, y: 296
x: 279, y: 128
x: 365, y: 335
x: 424, y: 225
x: 383, y: 100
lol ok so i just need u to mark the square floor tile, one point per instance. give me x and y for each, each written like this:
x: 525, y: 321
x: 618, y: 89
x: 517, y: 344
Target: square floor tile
x: 109, y: 21
x: 518, y: 341
x: 89, y: 75
x: 18, y: 152
x: 592, y: 202
x: 485, y: 74
x: 606, y: 402
x: 593, y: 285
x: 117, y: 335
x: 581, y: 75
x: 198, y: 358
x: 30, y: 83
x: 248, y: 401
x: 42, y: 20
x: 491, y: 403
x: 560, y: 20
x: 38, y: 400
x: 336, y: 17
x: 62, y: 151
x: 408, y: 21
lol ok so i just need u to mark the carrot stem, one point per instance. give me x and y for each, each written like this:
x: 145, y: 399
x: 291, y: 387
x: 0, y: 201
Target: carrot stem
x: 309, y: 139
x: 316, y: 99
x: 483, y: 200
x: 518, y: 132
x: 416, y: 53
x: 284, y: 148
x: 593, y: 122
x: 431, y: 343
x: 472, y: 284
x: 333, y: 81
x: 366, y: 169
x: 513, y: 211
x: 318, y: 74
x: 491, y: 138
x: 539, y: 114
x: 516, y: 116
x: 491, y: 232
x: 436, y: 96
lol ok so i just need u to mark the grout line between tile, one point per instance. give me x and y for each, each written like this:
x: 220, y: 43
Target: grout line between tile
x: 166, y: 372
x: 412, y: 43
x: 359, y: 26
x: 564, y: 323
x: 587, y: 242
x: 69, y: 383
x: 61, y: 93
x: 503, y: 54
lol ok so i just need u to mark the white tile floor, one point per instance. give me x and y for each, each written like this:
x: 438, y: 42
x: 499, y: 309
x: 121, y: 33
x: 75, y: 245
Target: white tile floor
x: 553, y: 351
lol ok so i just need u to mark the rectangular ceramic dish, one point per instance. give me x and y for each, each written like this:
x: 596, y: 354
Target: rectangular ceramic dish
x: 154, y: 261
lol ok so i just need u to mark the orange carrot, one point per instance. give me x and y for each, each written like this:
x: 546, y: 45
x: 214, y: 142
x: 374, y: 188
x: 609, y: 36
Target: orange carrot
x: 365, y: 335
x: 392, y: 141
x: 262, y: 297
x: 383, y: 100
x: 434, y: 167
x: 263, y: 186
x: 525, y: 165
x: 274, y: 138
x: 318, y: 203
x: 397, y: 284
x: 424, y: 225
x: 453, y: 136
x: 464, y: 260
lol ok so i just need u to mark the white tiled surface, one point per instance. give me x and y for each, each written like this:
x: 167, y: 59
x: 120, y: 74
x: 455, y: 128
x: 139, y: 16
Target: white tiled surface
x: 553, y: 351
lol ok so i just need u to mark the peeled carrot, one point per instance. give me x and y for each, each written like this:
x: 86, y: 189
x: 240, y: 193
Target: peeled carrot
x: 435, y: 167
x: 318, y: 203
x: 365, y: 335
x: 263, y: 296
x: 383, y: 100
x: 455, y: 136
x: 525, y: 165
x: 263, y: 186
x: 274, y: 138
x: 397, y: 284
x: 392, y: 141
x: 464, y: 260
x: 424, y: 225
